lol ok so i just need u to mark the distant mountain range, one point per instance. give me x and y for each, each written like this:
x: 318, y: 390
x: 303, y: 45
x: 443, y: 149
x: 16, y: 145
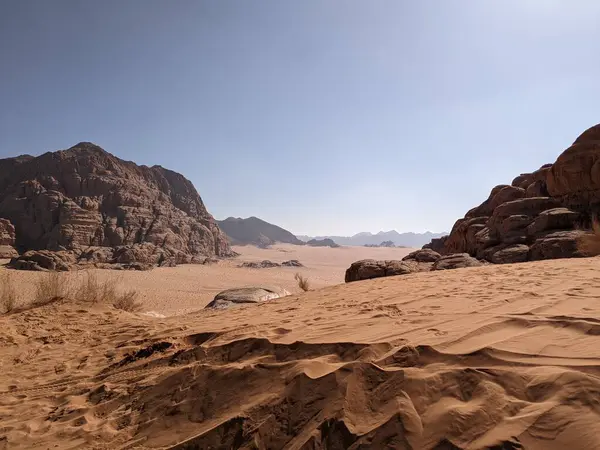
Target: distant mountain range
x: 366, y: 238
x: 255, y: 231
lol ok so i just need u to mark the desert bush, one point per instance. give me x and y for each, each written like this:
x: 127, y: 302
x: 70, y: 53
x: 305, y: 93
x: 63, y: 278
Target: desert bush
x: 127, y: 301
x: 92, y: 290
x: 589, y: 244
x: 302, y: 282
x: 8, y: 293
x: 50, y: 287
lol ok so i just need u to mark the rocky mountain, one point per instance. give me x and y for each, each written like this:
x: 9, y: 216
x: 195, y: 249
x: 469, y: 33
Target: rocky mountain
x: 322, y: 243
x: 369, y: 239
x: 91, y: 205
x: 539, y: 215
x: 255, y: 231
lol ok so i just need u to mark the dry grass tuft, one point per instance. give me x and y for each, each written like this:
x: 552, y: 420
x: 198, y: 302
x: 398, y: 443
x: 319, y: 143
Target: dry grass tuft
x: 8, y: 293
x: 54, y: 286
x: 302, y: 282
x: 91, y: 290
x: 51, y: 287
x: 589, y: 244
x: 127, y: 302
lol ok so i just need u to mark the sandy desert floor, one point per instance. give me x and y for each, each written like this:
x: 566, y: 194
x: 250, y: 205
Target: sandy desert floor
x: 501, y: 357
x: 179, y: 290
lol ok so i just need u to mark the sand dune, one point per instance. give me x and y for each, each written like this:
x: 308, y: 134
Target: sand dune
x: 500, y: 357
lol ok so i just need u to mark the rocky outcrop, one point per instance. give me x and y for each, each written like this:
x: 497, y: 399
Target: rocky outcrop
x: 252, y: 294
x: 7, y: 240
x: 511, y: 254
x: 292, y: 263
x: 322, y: 243
x: 84, y: 197
x: 456, y: 261
x: 370, y: 268
x: 424, y: 255
x: 574, y: 178
x: 7, y: 233
x: 44, y: 260
x: 538, y: 214
x: 556, y: 244
x: 266, y: 264
x: 437, y: 244
x: 418, y: 261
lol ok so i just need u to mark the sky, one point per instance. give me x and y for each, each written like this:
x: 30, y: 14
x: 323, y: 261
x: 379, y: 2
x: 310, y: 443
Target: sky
x: 321, y: 116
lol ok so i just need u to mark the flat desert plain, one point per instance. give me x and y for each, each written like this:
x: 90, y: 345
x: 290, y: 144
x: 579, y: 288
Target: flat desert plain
x: 179, y: 290
x: 500, y: 356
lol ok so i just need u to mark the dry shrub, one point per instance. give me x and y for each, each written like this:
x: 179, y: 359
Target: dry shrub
x: 127, y: 301
x: 302, y: 282
x: 589, y: 244
x: 92, y: 290
x: 8, y: 293
x: 50, y: 287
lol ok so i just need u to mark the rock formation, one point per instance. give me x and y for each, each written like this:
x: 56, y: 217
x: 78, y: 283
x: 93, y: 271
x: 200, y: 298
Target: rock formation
x: 7, y: 239
x: 370, y: 268
x: 424, y: 255
x: 455, y: 261
x: 266, y: 264
x: 102, y: 209
x: 538, y: 215
x: 322, y: 243
x: 418, y: 261
x: 256, y: 232
x: 388, y: 244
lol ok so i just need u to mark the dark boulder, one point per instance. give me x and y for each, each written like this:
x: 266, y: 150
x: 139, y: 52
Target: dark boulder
x: 456, y: 261
x: 423, y: 255
x: 370, y: 268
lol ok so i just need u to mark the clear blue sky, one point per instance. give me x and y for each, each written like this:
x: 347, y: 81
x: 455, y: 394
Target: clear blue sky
x: 325, y: 117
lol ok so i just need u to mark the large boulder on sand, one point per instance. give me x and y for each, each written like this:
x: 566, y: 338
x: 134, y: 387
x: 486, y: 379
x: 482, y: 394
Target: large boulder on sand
x: 250, y: 294
x: 556, y: 244
x: 370, y: 268
x: 44, y: 260
x: 423, y: 255
x: 512, y: 254
x: 456, y: 261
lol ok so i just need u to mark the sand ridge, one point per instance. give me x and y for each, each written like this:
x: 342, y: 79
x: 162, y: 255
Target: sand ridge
x: 489, y: 357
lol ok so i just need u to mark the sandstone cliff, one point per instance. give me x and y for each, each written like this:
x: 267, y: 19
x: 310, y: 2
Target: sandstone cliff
x: 94, y: 205
x: 539, y: 215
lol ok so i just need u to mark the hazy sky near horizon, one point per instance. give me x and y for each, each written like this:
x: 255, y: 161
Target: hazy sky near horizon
x: 324, y: 117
